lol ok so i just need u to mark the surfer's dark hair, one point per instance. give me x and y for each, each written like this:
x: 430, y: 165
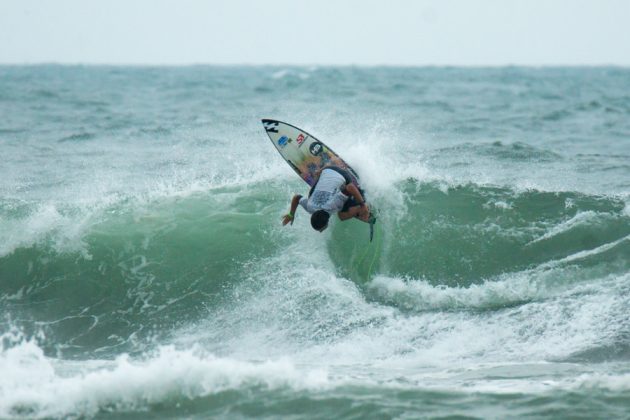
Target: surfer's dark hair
x: 319, y: 219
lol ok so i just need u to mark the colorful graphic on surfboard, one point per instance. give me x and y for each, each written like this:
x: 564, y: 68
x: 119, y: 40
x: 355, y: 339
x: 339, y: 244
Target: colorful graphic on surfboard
x: 305, y: 154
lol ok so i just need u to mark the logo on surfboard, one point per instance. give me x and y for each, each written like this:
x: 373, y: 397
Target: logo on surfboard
x: 316, y: 148
x: 283, y: 141
x: 271, y: 126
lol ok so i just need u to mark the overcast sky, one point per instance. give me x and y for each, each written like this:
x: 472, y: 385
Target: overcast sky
x: 321, y: 32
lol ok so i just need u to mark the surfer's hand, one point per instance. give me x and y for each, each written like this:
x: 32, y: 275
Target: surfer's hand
x: 287, y: 218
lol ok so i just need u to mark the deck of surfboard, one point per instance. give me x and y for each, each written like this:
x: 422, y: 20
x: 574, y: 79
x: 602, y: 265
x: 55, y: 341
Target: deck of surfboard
x: 303, y: 152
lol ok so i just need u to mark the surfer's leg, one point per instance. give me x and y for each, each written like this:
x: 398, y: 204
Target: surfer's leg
x: 350, y: 213
x: 350, y: 202
x: 363, y: 212
x: 354, y: 192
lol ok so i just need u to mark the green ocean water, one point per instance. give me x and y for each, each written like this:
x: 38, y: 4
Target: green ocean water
x: 144, y: 271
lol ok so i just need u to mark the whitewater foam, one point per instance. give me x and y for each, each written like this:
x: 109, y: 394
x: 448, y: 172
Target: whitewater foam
x: 34, y: 385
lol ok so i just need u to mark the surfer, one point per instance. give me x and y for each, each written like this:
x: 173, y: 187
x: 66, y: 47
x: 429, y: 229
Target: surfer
x: 333, y: 192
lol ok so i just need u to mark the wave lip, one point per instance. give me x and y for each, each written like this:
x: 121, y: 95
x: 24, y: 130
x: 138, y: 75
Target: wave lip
x: 578, y: 220
x: 419, y: 295
x: 548, y: 280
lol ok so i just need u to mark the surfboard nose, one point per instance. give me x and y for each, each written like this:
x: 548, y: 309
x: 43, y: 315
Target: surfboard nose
x: 271, y: 126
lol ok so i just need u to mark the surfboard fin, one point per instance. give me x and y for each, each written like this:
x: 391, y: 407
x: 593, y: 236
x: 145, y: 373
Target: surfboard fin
x: 372, y: 221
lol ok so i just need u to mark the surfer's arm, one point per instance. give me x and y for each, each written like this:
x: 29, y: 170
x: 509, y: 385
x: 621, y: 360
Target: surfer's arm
x: 288, y: 218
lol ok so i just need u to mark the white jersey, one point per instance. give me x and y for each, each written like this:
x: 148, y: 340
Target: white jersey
x: 327, y: 194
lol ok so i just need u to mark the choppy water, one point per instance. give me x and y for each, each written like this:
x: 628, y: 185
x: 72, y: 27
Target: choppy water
x: 144, y: 270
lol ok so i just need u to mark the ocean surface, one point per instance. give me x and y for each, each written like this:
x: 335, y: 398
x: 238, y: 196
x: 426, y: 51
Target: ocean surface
x: 145, y: 273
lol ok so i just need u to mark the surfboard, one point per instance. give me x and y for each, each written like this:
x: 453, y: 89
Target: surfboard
x: 306, y: 154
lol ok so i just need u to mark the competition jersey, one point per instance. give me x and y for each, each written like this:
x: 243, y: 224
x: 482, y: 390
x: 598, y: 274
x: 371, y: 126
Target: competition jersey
x: 327, y: 194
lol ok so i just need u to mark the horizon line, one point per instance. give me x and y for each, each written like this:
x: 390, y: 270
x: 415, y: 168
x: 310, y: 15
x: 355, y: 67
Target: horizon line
x: 310, y: 65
